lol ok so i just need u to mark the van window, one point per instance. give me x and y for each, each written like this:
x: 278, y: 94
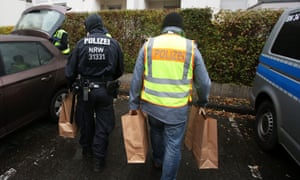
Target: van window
x: 287, y: 42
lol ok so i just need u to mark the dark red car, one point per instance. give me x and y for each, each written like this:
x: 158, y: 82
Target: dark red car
x: 32, y: 81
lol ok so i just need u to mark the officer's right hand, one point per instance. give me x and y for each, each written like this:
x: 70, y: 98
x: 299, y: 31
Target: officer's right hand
x: 202, y: 112
x: 132, y: 112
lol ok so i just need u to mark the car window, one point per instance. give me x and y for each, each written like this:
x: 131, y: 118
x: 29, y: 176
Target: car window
x: 42, y: 20
x: 21, y: 56
x: 287, y: 42
x: 2, y: 72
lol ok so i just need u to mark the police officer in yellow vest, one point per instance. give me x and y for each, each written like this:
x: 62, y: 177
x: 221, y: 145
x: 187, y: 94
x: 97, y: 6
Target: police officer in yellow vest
x: 60, y: 40
x: 166, y: 68
x: 106, y: 32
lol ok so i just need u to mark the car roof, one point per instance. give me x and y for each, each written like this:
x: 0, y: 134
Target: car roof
x: 14, y: 37
x: 61, y: 9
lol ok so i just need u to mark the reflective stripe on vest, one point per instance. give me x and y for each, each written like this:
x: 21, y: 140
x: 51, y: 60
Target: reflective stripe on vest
x: 57, y: 36
x: 168, y: 71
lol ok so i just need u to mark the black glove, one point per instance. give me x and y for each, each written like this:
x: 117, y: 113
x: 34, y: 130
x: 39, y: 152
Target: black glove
x: 75, y: 88
x: 112, y: 88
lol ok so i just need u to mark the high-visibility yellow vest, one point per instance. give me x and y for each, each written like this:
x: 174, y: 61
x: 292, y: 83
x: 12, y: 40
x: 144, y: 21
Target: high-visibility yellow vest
x: 57, y: 36
x: 108, y: 35
x: 168, y: 75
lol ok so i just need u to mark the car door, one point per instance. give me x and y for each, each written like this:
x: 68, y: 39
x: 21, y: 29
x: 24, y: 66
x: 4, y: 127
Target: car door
x: 27, y: 90
x: 286, y: 63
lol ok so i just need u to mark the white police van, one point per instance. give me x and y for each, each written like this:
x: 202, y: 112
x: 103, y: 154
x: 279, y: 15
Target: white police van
x: 276, y: 87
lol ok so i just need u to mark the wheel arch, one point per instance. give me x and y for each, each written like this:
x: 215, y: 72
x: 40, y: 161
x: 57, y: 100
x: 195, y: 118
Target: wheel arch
x: 50, y: 110
x: 269, y: 95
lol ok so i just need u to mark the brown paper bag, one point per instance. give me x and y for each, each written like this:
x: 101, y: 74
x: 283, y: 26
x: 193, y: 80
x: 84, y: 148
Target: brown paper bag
x: 204, y: 140
x: 65, y: 127
x: 135, y: 134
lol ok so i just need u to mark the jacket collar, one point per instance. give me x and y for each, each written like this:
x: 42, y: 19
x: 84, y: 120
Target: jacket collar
x: 172, y: 29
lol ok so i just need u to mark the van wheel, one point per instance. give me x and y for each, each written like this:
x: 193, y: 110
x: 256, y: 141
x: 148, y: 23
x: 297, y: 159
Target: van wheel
x: 266, y: 126
x: 55, y: 104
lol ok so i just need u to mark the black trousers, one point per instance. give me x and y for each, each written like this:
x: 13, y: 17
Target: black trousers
x: 96, y: 120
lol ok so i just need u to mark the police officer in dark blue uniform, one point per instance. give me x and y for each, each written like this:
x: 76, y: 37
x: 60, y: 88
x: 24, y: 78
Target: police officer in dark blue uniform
x: 94, y: 66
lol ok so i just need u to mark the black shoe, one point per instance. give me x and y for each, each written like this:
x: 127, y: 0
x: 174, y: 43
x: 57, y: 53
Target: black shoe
x: 99, y: 165
x: 156, y: 165
x: 87, y: 153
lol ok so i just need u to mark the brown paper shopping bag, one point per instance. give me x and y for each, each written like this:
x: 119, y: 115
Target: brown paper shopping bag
x: 204, y: 135
x: 67, y: 127
x: 135, y: 134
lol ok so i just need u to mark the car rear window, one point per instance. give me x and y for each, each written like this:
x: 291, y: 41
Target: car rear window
x: 43, y: 20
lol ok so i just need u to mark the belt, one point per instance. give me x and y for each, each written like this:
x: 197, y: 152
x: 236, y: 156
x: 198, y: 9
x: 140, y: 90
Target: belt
x: 96, y: 85
x: 97, y: 78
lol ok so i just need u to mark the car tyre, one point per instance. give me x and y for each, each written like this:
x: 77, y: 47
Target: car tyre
x: 266, y: 126
x: 55, y: 104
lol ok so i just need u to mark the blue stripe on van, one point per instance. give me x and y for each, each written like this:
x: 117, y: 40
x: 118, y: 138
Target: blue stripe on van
x: 286, y: 68
x: 283, y: 82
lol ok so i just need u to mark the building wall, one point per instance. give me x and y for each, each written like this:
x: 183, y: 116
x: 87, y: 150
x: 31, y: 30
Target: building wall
x: 234, y: 4
x: 136, y: 4
x: 10, y: 18
x: 116, y: 4
x: 76, y: 5
x: 252, y: 2
x: 158, y: 4
x: 83, y: 5
x: 10, y: 11
x: 214, y: 4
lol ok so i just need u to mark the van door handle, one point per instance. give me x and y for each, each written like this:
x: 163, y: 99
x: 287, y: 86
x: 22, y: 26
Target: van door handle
x: 47, y: 78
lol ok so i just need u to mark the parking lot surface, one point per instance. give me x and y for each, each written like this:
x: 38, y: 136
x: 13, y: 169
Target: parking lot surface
x: 36, y: 152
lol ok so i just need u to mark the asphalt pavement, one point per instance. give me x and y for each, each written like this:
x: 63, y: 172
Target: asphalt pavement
x: 36, y: 152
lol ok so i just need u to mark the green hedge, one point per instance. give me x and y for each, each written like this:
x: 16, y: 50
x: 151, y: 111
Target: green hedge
x: 232, y: 53
x: 230, y: 42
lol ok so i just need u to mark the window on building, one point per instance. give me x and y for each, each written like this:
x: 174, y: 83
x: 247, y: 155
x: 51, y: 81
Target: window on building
x: 28, y: 1
x: 164, y: 4
x: 61, y: 4
x: 114, y: 7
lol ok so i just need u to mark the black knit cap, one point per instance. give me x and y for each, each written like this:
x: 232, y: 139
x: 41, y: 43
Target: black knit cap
x: 173, y: 19
x: 94, y: 21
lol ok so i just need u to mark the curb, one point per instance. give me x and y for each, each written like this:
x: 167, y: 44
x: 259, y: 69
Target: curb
x: 234, y: 109
x: 223, y: 90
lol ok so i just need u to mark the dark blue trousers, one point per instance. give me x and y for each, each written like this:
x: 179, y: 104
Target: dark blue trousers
x: 96, y: 120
